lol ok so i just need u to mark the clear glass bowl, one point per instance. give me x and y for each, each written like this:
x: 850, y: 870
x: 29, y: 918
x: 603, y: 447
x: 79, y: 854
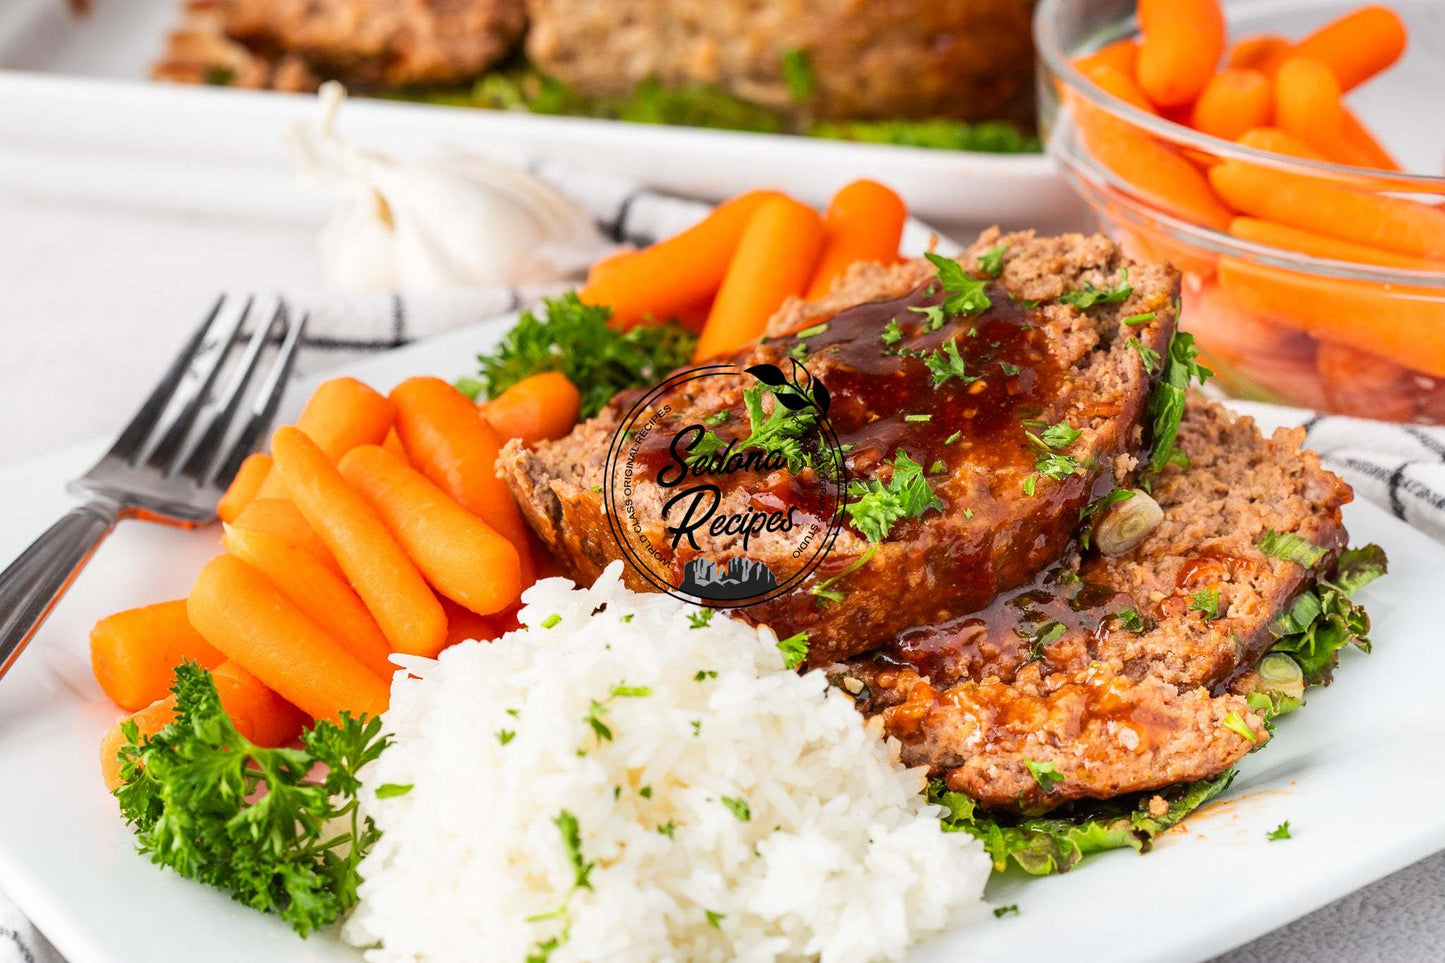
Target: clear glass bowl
x: 1275, y: 324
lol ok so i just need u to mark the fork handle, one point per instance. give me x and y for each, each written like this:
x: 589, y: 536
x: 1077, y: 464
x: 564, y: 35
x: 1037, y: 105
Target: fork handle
x: 34, y: 582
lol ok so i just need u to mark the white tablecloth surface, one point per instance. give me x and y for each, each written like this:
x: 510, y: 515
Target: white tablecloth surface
x: 94, y: 297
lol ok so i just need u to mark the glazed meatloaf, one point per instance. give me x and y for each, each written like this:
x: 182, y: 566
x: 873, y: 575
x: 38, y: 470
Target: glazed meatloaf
x: 969, y: 59
x: 1132, y: 690
x: 288, y: 44
x: 1039, y: 413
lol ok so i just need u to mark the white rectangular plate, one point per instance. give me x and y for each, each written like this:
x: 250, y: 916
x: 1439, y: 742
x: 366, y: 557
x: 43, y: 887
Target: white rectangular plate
x: 78, y: 87
x: 1344, y: 772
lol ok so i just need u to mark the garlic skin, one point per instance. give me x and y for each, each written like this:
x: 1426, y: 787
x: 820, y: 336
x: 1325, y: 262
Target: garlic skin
x: 457, y: 221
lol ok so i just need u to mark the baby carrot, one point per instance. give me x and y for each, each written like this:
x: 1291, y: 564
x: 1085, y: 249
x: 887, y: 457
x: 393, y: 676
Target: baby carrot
x: 1395, y: 224
x: 341, y: 414
x: 134, y: 652
x: 1121, y: 85
x: 1366, y: 151
x: 464, y: 558
x: 316, y: 591
x: 245, y: 616
x: 1391, y: 323
x: 1276, y: 141
x: 1232, y: 103
x: 257, y: 713
x: 1318, y: 245
x: 1307, y: 105
x: 773, y: 262
x: 659, y: 281
x: 1262, y: 52
x: 1358, y: 45
x: 279, y: 517
x: 1154, y: 170
x: 464, y: 625
x: 1121, y: 55
x: 1183, y: 40
x: 376, y: 566
x: 541, y: 407
x: 243, y: 488
x: 449, y: 444
x: 864, y: 223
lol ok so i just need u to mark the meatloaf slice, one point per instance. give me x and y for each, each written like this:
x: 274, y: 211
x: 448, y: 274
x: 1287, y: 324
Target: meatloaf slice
x: 1040, y: 355
x: 888, y: 59
x: 1201, y: 589
x: 1047, y: 740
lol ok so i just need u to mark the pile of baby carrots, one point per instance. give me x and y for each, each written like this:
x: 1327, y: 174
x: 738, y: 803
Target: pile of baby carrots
x: 729, y: 273
x: 1284, y: 97
x: 377, y: 524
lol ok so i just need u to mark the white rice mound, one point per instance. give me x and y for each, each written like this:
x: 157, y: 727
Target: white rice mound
x: 840, y: 856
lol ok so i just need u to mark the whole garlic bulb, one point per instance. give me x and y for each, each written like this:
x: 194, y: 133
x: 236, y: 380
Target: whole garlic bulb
x: 457, y: 221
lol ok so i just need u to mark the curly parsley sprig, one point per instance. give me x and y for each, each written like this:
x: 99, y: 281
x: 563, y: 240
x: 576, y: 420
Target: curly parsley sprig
x: 215, y: 807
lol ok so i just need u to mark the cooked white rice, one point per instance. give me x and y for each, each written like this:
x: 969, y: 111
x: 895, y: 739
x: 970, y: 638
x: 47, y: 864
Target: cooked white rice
x: 839, y: 856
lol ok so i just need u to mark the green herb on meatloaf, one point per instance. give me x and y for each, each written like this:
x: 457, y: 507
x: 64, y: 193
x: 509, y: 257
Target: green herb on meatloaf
x: 1323, y: 620
x: 1041, y: 845
x: 213, y: 806
x: 876, y: 507
x: 524, y: 88
x: 1166, y: 401
x: 575, y: 339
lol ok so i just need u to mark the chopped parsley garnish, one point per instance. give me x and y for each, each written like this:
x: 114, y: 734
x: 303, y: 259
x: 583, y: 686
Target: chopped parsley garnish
x: 933, y: 316
x: 668, y: 829
x: 392, y: 790
x: 714, y: 919
x: 1206, y: 601
x: 794, y: 649
x: 1279, y: 832
x: 1031, y: 483
x: 575, y: 339
x: 1056, y: 437
x: 814, y: 331
x: 945, y: 362
x: 1291, y: 548
x: 1044, y: 774
x: 645, y: 792
x: 892, y: 333
x: 953, y: 437
x: 505, y: 736
x: 877, y: 508
x: 780, y: 432
x: 965, y: 294
x: 596, y: 710
x: 1166, y: 402
x: 1148, y: 355
x: 1135, y: 319
x: 1042, y: 636
x: 990, y: 262
x: 551, y: 620
x: 1088, y: 295
x: 826, y: 594
x: 798, y: 73
x: 917, y: 418
x: 1132, y: 621
x: 938, y: 467
x: 999, y: 912
x: 258, y: 823
x: 1058, y: 467
x: 566, y: 824
x: 696, y: 725
x: 703, y: 674
x: 716, y: 418
x: 1234, y: 722
x: 738, y: 807
x: 700, y: 619
x: 1009, y: 369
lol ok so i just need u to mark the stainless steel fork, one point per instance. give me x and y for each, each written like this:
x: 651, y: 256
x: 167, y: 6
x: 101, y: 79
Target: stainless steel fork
x: 170, y: 464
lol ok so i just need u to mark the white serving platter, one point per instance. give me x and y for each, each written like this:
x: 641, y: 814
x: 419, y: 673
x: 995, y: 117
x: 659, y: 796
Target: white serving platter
x: 75, y: 88
x: 1356, y: 773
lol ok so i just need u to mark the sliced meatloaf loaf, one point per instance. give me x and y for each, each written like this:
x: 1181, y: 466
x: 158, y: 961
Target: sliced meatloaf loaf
x: 1115, y: 670
x: 1024, y: 413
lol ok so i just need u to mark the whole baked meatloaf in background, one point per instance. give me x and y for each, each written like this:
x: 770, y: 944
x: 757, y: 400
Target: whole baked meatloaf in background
x: 967, y: 59
x: 1050, y: 351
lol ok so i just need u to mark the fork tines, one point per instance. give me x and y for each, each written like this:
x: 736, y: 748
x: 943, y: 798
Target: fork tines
x: 186, y: 429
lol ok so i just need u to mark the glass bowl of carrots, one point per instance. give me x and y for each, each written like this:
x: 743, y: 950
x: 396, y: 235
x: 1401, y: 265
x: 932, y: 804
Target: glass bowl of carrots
x: 1286, y: 157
